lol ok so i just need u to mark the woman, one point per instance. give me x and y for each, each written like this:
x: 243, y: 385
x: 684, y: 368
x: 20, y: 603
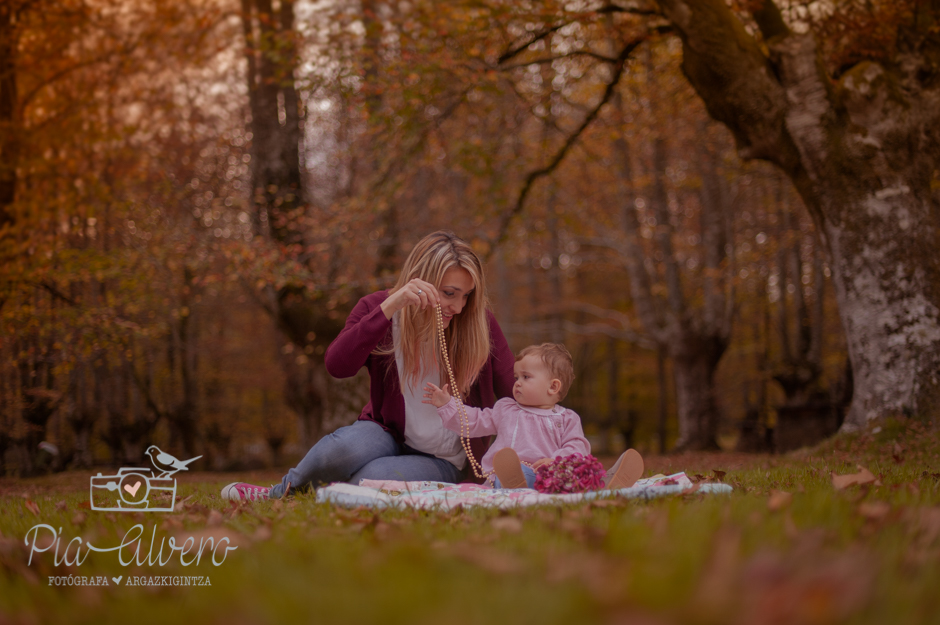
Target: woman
x: 394, y: 335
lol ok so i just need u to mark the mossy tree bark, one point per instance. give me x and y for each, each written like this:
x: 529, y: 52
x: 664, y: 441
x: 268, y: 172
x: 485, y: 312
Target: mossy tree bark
x: 861, y: 149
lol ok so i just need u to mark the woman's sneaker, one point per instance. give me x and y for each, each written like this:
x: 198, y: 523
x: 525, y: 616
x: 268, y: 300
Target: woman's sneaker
x: 240, y: 491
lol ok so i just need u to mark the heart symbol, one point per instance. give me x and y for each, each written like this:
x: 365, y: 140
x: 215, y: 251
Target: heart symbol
x: 132, y: 490
x: 117, y: 580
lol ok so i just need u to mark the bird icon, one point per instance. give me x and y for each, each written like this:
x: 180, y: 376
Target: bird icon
x: 166, y: 463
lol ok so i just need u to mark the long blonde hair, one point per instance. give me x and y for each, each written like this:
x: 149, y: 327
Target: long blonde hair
x: 468, y: 334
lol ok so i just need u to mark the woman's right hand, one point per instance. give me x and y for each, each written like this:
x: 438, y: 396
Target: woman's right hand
x: 416, y: 292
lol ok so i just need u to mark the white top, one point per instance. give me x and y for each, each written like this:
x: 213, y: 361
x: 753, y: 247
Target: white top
x: 424, y: 430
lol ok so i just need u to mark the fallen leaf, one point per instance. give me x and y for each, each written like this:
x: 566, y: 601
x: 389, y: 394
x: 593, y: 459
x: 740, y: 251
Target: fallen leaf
x: 805, y: 585
x: 385, y: 531
x: 262, y: 533
x: 719, y: 475
x: 509, y: 524
x: 31, y: 506
x: 489, y: 559
x: 193, y: 508
x: 875, y: 510
x: 926, y: 526
x: 215, y: 518
x: 213, y: 537
x: 604, y: 576
x: 897, y: 453
x: 779, y: 499
x: 62, y: 505
x: 864, y: 476
x: 789, y: 527
x: 717, y: 588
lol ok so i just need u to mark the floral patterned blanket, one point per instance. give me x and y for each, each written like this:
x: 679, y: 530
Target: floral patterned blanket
x: 441, y: 496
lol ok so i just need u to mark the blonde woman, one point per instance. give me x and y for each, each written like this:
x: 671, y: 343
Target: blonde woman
x: 393, y: 334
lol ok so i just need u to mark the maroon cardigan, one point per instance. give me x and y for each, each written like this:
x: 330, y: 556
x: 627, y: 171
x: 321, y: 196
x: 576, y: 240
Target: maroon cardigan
x: 367, y: 328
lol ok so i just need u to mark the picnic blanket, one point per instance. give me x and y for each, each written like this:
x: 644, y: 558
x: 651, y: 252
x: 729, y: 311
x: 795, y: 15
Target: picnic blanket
x: 442, y: 496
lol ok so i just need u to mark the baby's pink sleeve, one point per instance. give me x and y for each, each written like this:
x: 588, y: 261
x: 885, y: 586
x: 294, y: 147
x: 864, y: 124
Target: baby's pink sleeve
x: 481, y: 421
x: 572, y: 438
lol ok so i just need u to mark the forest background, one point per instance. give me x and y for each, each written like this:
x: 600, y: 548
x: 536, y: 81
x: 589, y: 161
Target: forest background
x: 193, y: 195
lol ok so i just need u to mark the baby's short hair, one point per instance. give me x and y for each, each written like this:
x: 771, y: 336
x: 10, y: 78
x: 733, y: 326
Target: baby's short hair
x: 558, y: 360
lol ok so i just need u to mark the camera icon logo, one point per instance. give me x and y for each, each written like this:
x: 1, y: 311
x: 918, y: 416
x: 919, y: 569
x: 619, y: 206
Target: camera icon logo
x: 136, y: 488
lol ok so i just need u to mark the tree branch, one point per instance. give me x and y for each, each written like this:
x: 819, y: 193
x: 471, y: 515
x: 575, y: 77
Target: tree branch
x: 734, y: 78
x: 769, y: 20
x: 542, y: 34
x: 613, y: 8
x: 57, y: 293
x: 530, y: 180
x: 550, y: 59
x: 545, y: 32
x: 394, y: 165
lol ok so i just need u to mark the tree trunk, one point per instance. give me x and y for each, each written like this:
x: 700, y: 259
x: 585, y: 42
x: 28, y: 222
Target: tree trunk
x: 661, y: 408
x: 8, y: 126
x: 861, y: 149
x: 693, y: 335
x: 276, y: 177
x: 799, y: 368
x: 694, y: 364
x: 275, y: 143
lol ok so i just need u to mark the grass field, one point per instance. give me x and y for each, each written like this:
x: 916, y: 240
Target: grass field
x: 785, y: 547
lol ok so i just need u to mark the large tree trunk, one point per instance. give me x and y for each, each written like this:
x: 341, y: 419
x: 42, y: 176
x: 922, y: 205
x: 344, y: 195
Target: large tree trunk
x: 861, y: 151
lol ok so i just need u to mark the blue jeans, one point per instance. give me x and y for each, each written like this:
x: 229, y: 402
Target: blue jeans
x: 527, y: 471
x: 364, y: 450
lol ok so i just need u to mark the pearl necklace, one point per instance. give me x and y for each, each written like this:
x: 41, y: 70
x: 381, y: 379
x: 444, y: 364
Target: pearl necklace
x: 461, y: 411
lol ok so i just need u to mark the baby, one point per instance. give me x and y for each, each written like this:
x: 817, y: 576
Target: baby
x: 530, y: 428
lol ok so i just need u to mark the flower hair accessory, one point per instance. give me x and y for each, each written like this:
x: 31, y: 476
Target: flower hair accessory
x: 570, y: 474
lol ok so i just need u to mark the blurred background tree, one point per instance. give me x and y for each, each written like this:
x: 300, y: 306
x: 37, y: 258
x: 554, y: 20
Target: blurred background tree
x: 193, y: 195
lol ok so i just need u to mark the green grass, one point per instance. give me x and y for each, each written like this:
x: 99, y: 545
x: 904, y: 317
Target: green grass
x: 828, y: 557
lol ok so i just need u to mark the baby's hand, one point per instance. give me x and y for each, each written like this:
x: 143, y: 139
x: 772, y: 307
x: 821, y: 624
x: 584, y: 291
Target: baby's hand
x: 435, y: 395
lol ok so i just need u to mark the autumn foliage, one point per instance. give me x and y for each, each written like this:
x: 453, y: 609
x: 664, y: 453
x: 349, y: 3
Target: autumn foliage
x: 198, y: 192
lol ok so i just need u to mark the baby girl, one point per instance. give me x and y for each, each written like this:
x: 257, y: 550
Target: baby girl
x: 531, y: 428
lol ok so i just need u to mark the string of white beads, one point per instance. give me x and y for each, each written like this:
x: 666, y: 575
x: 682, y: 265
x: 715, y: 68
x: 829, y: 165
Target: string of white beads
x: 461, y: 411
x: 455, y: 391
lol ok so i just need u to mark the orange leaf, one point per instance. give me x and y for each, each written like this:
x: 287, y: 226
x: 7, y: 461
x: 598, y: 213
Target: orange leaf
x: 875, y: 510
x: 31, y: 506
x: 864, y: 476
x: 508, y: 524
x: 779, y: 499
